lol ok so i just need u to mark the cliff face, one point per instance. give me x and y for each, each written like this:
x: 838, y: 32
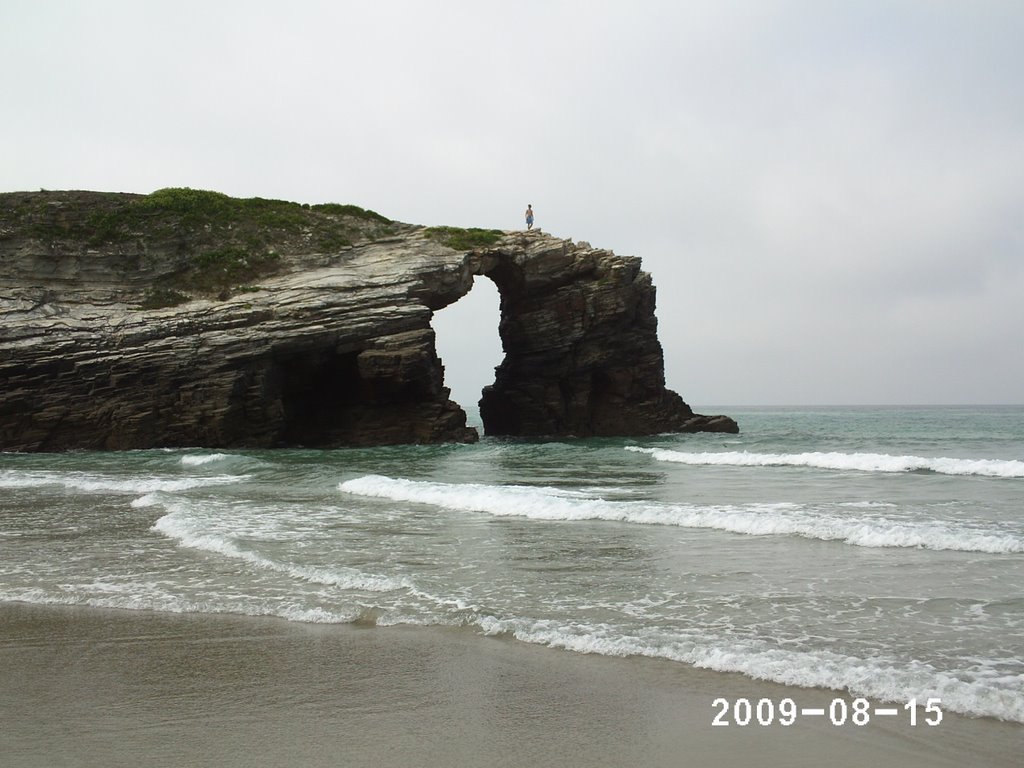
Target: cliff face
x: 192, y: 319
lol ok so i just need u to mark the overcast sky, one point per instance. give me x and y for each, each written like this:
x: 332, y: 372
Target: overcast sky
x: 829, y: 195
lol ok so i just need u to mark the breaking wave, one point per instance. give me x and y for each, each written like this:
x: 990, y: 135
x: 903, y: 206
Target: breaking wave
x: 198, y: 460
x: 860, y: 462
x: 100, y: 483
x: 541, y: 503
x: 192, y: 533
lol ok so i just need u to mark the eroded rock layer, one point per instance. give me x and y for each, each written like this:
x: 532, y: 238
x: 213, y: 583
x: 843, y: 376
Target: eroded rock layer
x: 146, y: 321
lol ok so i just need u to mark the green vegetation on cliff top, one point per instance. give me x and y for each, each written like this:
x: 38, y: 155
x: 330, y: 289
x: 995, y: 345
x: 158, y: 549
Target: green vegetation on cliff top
x: 217, y: 245
x: 224, y: 242
x: 101, y: 218
x: 462, y: 239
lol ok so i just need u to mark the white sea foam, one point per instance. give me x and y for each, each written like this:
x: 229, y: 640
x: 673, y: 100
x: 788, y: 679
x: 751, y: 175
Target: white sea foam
x: 96, y: 483
x: 752, y: 519
x: 880, y: 678
x: 138, y: 598
x: 192, y: 460
x: 860, y: 462
x: 511, y: 500
x: 191, y: 532
x: 886, y: 679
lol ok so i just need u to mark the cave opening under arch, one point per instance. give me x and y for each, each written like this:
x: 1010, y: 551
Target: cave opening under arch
x: 468, y: 344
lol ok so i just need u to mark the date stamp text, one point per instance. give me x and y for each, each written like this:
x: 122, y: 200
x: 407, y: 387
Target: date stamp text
x: 840, y: 712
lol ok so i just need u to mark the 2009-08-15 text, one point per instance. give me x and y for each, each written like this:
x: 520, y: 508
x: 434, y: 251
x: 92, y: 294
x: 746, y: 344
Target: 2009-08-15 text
x: 840, y: 712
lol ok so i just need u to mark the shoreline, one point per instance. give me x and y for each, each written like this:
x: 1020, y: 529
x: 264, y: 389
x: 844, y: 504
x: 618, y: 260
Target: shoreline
x: 93, y: 686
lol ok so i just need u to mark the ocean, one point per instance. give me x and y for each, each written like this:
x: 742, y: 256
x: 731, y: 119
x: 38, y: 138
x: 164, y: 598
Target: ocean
x: 873, y: 551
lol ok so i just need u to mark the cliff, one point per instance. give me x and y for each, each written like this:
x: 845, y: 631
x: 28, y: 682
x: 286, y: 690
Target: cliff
x: 188, y: 318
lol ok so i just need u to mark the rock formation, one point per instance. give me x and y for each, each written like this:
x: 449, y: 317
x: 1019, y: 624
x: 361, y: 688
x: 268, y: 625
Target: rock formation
x: 188, y: 318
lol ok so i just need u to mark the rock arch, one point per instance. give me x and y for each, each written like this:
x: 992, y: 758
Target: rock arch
x: 330, y: 349
x: 582, y: 355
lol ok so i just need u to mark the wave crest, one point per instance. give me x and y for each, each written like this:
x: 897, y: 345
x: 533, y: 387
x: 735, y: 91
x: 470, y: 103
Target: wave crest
x: 99, y: 483
x: 754, y: 519
x: 191, y: 533
x: 860, y: 462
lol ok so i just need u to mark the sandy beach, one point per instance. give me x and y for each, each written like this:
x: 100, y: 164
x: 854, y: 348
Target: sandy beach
x: 88, y: 687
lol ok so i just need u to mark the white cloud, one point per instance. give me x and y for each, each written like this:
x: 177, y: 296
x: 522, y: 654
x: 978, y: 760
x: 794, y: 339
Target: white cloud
x: 827, y: 194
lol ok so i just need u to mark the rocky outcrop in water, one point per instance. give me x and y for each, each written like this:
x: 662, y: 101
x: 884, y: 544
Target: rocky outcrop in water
x: 188, y: 318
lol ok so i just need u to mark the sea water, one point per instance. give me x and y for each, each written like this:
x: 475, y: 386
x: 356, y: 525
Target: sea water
x: 878, y: 551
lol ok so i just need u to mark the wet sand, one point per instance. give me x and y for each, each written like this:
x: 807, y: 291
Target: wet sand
x: 89, y: 687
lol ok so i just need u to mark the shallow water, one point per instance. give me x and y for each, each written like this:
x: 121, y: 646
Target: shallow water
x: 879, y: 551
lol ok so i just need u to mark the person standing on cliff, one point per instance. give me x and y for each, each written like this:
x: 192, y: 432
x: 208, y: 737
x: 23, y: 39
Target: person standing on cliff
x: 529, y: 216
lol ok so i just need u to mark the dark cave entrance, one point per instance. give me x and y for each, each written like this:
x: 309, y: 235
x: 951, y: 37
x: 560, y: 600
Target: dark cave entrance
x: 318, y: 392
x: 393, y: 390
